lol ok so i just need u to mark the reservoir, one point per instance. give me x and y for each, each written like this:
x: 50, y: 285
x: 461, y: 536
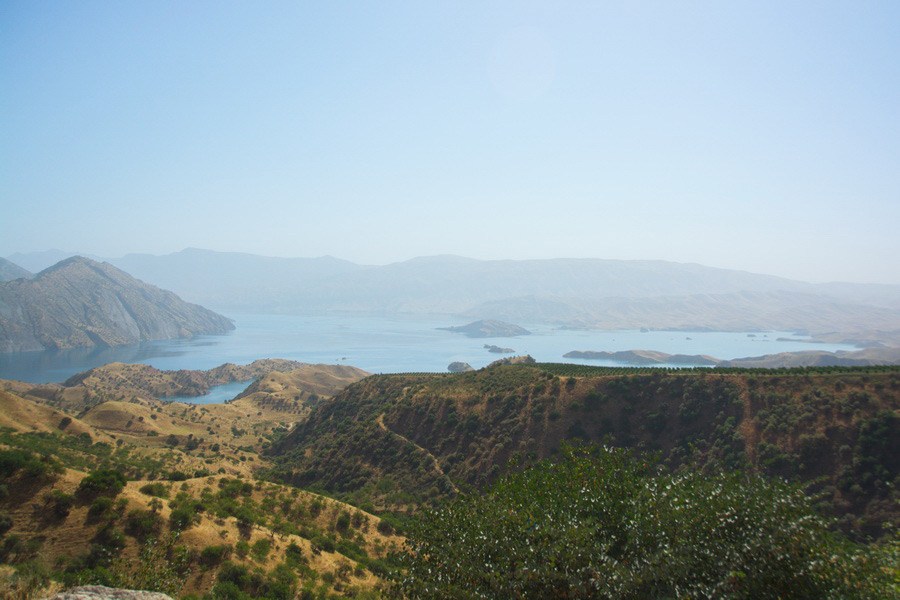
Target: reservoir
x: 386, y: 345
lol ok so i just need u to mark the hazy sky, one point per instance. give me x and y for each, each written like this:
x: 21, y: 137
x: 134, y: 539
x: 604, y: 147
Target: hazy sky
x: 754, y: 135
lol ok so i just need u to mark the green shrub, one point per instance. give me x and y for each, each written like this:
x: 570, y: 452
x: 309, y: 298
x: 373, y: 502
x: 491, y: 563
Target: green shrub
x: 102, y: 482
x: 155, y: 489
x: 260, y: 549
x: 60, y: 503
x: 182, y: 517
x: 242, y: 548
x: 101, y: 506
x: 293, y: 555
x: 143, y: 524
x: 14, y: 461
x: 213, y: 555
x: 606, y: 524
x: 323, y: 543
x: 342, y: 523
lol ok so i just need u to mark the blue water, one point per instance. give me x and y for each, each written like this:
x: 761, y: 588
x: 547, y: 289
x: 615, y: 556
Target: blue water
x: 217, y: 394
x: 383, y: 345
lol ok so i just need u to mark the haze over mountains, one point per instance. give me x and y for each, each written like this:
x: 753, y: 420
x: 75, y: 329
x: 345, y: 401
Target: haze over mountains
x: 589, y: 293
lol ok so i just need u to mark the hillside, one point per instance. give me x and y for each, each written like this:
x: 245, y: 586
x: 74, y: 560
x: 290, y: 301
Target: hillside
x: 128, y: 398
x: 10, y: 271
x: 79, y: 302
x: 189, y: 470
x: 402, y: 438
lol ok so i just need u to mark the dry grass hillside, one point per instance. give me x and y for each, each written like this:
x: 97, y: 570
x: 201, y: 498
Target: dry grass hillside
x: 333, y: 546
x: 190, y: 470
x: 131, y: 382
x: 23, y: 415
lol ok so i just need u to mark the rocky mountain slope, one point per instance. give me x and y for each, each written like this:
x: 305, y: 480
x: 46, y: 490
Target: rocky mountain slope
x: 10, y: 270
x: 79, y: 302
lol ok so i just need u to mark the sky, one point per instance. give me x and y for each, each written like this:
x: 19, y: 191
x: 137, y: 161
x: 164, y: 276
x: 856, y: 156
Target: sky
x: 761, y: 136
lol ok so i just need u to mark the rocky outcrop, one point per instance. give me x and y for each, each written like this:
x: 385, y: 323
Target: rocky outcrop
x: 488, y: 328
x: 459, y: 367
x: 80, y: 302
x: 101, y: 592
x: 512, y: 360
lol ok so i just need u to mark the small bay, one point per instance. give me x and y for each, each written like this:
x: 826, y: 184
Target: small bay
x: 217, y: 394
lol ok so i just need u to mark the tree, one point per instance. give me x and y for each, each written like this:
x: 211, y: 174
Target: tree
x: 604, y: 523
x: 102, y: 482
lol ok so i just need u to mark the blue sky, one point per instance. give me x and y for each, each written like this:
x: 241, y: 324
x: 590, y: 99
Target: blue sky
x: 761, y: 136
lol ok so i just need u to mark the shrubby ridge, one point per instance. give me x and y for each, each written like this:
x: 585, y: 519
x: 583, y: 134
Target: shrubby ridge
x: 605, y: 523
x: 407, y: 439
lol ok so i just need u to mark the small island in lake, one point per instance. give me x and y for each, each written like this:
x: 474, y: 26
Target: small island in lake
x: 488, y: 328
x: 498, y: 349
x: 645, y: 357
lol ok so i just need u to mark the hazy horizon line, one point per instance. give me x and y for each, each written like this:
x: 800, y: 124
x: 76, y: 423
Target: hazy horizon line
x: 68, y: 253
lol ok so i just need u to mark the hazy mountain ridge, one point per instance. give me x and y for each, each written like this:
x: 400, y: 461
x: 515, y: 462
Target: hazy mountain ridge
x: 79, y: 302
x: 737, y: 311
x: 591, y: 293
x: 806, y: 358
x: 10, y: 271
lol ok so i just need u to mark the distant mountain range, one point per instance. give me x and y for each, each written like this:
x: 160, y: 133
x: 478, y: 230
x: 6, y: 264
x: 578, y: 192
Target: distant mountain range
x: 80, y: 302
x: 581, y: 293
x: 807, y: 358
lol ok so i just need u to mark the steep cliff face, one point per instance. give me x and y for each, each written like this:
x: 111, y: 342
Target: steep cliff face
x: 79, y: 302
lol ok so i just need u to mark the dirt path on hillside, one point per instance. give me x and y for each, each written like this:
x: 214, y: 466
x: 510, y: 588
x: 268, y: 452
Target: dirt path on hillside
x: 437, y: 466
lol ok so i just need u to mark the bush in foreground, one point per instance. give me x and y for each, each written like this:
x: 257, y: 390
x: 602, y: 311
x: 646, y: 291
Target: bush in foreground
x: 605, y: 524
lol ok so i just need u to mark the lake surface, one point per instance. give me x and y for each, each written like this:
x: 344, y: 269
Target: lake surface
x: 217, y: 394
x: 384, y: 345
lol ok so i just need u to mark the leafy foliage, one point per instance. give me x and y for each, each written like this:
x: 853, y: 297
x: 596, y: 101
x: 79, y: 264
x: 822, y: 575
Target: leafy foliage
x: 606, y: 524
x: 22, y: 461
x: 102, y: 482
